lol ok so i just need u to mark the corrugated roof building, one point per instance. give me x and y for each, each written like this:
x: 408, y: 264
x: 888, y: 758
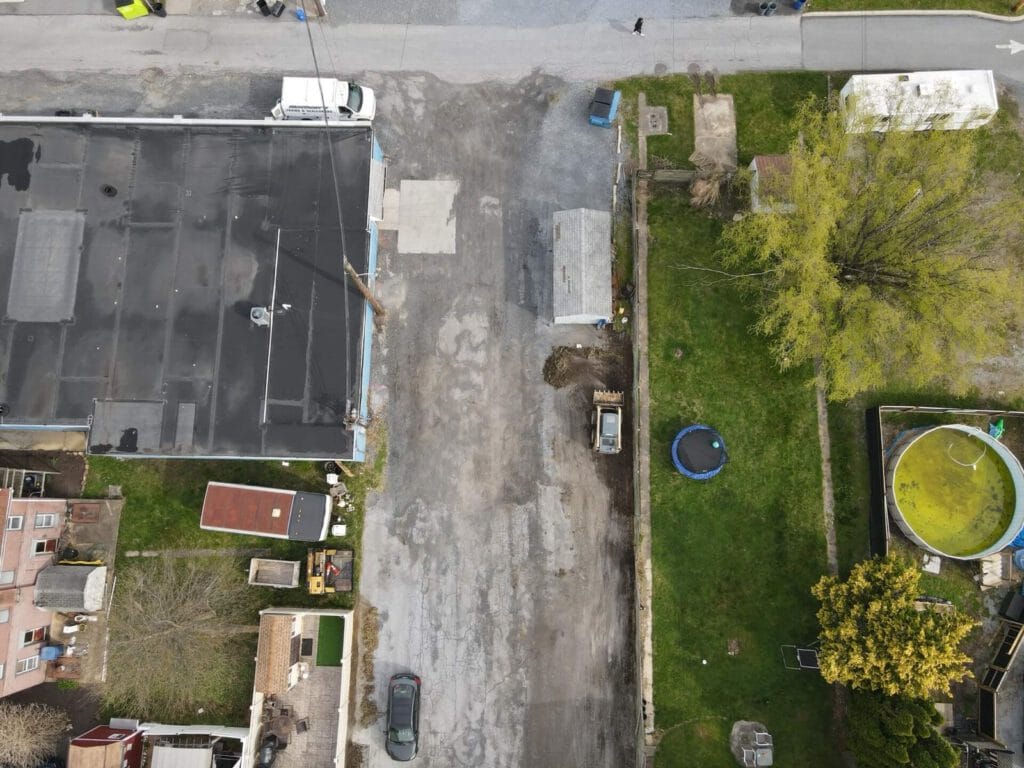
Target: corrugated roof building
x: 582, y: 245
x: 71, y: 588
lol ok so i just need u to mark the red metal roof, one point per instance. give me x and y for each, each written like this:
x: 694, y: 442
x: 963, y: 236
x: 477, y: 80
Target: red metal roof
x: 103, y: 734
x: 247, y: 509
x: 774, y: 172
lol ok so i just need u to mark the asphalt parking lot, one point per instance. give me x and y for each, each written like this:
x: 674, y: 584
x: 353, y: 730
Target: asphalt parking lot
x: 498, y: 558
x: 499, y: 551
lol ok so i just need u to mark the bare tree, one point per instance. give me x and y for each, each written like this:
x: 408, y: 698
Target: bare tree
x: 30, y: 732
x: 706, y: 187
x: 711, y: 82
x: 176, y: 632
x: 694, y: 73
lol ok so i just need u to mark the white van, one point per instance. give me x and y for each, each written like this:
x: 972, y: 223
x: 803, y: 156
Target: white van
x: 304, y: 98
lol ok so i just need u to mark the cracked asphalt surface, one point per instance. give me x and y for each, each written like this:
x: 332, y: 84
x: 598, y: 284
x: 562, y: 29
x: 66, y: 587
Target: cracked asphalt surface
x: 497, y: 555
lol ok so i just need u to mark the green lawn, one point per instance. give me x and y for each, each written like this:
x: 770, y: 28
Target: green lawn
x: 734, y: 557
x: 999, y: 7
x: 765, y: 104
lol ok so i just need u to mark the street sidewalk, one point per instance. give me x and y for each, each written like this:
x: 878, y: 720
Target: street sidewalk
x: 107, y: 7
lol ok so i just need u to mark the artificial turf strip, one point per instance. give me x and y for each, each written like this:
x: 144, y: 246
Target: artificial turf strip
x: 329, y: 641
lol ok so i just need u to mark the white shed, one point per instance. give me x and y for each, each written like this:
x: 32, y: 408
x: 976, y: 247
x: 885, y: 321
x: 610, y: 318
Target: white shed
x: 582, y: 266
x: 919, y: 101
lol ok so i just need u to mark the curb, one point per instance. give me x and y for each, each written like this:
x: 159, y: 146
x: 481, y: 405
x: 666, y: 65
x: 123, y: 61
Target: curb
x: 870, y: 14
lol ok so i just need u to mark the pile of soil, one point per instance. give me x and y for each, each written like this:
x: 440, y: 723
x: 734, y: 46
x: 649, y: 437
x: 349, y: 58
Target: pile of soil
x: 588, y: 366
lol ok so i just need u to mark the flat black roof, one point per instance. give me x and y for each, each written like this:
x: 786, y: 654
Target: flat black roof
x: 131, y: 257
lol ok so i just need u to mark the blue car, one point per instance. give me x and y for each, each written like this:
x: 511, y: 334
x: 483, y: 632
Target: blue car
x: 403, y: 730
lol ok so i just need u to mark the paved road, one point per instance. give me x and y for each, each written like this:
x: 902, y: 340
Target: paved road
x: 872, y: 42
x: 462, y: 54
x: 522, y: 13
x: 589, y: 50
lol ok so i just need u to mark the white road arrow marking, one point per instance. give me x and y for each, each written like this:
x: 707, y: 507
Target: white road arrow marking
x: 1013, y: 47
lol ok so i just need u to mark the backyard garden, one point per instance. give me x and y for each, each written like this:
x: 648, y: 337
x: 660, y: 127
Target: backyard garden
x: 735, y: 557
x: 205, y: 614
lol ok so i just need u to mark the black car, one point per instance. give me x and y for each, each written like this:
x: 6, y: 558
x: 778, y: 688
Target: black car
x: 403, y: 717
x: 268, y: 752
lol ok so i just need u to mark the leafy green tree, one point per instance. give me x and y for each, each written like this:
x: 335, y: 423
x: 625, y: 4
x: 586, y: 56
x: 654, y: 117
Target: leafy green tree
x: 895, y: 731
x: 895, y: 255
x: 873, y: 638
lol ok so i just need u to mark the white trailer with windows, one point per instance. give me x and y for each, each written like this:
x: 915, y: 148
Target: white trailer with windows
x: 307, y: 98
x: 919, y: 101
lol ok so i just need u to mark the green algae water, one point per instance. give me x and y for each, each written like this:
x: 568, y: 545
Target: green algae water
x: 954, y: 491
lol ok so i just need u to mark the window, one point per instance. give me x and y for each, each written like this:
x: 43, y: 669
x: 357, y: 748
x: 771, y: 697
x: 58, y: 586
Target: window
x: 46, y: 520
x: 5, y: 615
x: 30, y: 636
x: 6, y: 577
x: 1, y: 671
x: 26, y: 665
x: 44, y: 546
x: 15, y: 523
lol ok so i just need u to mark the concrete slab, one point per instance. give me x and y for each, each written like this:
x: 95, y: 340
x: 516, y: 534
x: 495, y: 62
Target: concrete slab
x: 427, y: 216
x: 45, y: 274
x: 714, y: 123
x: 392, y: 210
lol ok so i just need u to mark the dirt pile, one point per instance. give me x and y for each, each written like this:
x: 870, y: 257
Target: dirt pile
x: 588, y: 366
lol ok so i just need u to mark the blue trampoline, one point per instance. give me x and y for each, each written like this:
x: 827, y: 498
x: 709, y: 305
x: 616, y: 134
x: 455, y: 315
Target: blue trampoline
x: 699, y: 452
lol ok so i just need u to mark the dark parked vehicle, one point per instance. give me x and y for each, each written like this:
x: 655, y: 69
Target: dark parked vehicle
x: 268, y: 752
x: 403, y: 731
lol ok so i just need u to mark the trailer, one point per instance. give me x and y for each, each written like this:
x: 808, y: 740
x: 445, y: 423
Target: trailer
x: 919, y: 101
x: 606, y: 421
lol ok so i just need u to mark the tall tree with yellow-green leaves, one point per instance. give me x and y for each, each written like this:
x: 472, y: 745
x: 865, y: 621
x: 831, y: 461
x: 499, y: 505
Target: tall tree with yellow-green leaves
x: 873, y: 638
x: 886, y: 256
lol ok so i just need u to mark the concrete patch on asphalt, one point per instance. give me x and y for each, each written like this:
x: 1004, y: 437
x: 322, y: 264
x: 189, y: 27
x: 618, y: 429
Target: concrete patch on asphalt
x: 427, y: 216
x: 392, y: 202
x: 186, y: 40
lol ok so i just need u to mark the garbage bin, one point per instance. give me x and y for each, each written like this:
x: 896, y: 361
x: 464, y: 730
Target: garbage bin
x: 762, y: 9
x: 799, y: 4
x: 771, y: 9
x: 132, y: 9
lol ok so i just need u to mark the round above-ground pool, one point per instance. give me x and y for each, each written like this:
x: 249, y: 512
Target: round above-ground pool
x: 699, y: 452
x: 956, y: 491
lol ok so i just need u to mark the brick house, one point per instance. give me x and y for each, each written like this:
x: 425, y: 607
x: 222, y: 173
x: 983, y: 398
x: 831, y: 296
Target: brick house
x: 29, y: 536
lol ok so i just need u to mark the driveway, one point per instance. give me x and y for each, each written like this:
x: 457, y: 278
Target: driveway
x: 497, y: 555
